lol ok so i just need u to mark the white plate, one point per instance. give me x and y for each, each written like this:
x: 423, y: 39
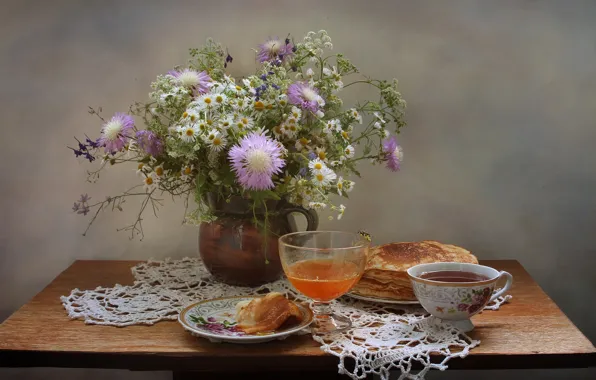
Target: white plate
x: 215, y: 320
x: 382, y: 300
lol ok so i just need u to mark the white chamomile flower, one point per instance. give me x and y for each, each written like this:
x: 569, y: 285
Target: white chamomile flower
x: 341, y: 211
x: 149, y: 183
x: 349, y: 151
x: 321, y: 153
x: 356, y: 115
x: 244, y: 123
x: 142, y: 168
x: 333, y: 125
x: 220, y: 99
x: 317, y: 205
x: 282, y: 99
x: 324, y: 177
x: 216, y: 141
x: 302, y: 144
x: 310, y: 73
x: 348, y: 186
x: 190, y: 116
x: 316, y: 166
x: 188, y: 133
x: 202, y: 126
x: 296, y: 112
x: 186, y: 171
x: 334, y: 74
x: 279, y: 130
x: 205, y: 101
x: 226, y: 123
x: 334, y: 163
x: 340, y: 186
x: 290, y: 130
x: 159, y: 171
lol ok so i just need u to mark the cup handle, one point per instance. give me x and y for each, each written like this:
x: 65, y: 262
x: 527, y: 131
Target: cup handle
x: 312, y: 219
x: 505, y: 288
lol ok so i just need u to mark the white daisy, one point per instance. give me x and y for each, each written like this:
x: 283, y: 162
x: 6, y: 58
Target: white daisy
x: 290, y: 130
x: 282, y: 99
x: 226, y: 123
x: 142, y: 168
x: 348, y: 185
x: 188, y: 133
x: 216, y: 141
x: 349, y: 151
x: 220, y: 99
x: 345, y: 135
x: 244, y: 123
x: 296, y: 113
x: 202, y: 126
x: 321, y: 153
x: 186, y: 171
x: 316, y: 166
x: 279, y: 130
x: 302, y: 144
x: 205, y: 101
x: 190, y: 116
x: 340, y: 186
x: 159, y: 171
x: 341, y: 211
x: 324, y: 177
x: 149, y: 183
x: 317, y: 205
x: 356, y: 115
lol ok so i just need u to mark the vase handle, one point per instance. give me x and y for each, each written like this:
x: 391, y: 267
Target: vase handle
x: 312, y: 219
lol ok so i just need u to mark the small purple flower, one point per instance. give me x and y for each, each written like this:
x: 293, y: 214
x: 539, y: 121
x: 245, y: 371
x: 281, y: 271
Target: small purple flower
x: 76, y: 206
x: 305, y: 96
x: 255, y: 160
x: 84, y: 210
x: 462, y: 307
x: 91, y: 143
x: 274, y: 48
x: 149, y: 142
x: 84, y: 198
x: 199, y: 82
x: 116, y: 133
x: 303, y: 172
x: 393, y: 153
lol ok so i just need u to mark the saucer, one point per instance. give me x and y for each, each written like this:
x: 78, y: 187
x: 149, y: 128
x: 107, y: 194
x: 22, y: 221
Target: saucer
x: 382, y: 300
x: 214, y: 319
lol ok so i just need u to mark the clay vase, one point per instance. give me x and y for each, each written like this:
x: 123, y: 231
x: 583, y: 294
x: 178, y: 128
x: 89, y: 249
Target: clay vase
x: 236, y: 251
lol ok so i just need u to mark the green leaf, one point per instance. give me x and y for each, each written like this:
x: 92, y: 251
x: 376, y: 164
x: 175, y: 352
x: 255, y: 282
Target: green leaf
x: 260, y: 196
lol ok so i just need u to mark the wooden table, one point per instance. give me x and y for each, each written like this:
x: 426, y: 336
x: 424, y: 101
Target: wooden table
x: 529, y: 332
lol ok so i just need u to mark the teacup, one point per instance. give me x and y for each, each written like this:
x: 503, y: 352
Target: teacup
x: 456, y: 302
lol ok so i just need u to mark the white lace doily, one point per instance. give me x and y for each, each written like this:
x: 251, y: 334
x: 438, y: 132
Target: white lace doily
x: 383, y: 337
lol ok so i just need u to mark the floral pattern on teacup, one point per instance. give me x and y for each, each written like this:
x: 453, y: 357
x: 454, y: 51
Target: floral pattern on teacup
x: 453, y: 302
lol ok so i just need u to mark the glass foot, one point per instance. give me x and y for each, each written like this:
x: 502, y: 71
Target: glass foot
x: 328, y: 323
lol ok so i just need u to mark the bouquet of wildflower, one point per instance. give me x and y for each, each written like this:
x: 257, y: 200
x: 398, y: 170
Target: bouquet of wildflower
x: 282, y: 133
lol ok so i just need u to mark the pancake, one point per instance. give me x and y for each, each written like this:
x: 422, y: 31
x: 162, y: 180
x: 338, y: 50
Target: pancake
x: 266, y: 314
x: 385, y: 273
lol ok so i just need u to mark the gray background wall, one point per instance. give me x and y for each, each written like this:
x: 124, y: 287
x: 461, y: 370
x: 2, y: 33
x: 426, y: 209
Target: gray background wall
x: 499, y: 154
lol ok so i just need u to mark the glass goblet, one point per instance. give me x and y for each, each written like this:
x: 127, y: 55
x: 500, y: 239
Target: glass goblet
x: 324, y: 265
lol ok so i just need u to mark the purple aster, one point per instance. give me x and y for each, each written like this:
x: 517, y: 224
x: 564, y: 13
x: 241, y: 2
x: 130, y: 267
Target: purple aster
x: 149, y: 142
x: 393, y: 153
x: 116, y: 132
x: 274, y: 49
x: 255, y: 160
x: 200, y: 82
x: 305, y: 96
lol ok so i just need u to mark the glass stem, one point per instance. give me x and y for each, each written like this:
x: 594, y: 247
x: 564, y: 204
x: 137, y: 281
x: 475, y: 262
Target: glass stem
x: 321, y: 309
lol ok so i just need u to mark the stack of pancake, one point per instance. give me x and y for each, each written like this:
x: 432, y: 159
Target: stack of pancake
x: 385, y: 274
